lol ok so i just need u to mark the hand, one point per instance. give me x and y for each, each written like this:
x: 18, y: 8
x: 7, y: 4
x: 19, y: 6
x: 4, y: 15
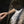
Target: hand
x: 3, y: 15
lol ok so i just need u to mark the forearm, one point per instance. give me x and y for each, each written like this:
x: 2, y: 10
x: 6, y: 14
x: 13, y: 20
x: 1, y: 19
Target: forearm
x: 5, y: 13
x: 11, y: 11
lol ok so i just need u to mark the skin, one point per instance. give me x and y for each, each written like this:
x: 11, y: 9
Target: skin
x: 11, y: 11
x: 5, y: 13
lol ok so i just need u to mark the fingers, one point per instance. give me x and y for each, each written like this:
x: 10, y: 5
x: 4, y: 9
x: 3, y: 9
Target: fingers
x: 4, y: 15
x: 1, y: 14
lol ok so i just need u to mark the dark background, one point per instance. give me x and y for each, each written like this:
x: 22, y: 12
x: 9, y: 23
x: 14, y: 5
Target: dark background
x: 4, y: 5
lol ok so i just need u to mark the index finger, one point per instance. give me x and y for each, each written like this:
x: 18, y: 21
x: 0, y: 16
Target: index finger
x: 1, y: 14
